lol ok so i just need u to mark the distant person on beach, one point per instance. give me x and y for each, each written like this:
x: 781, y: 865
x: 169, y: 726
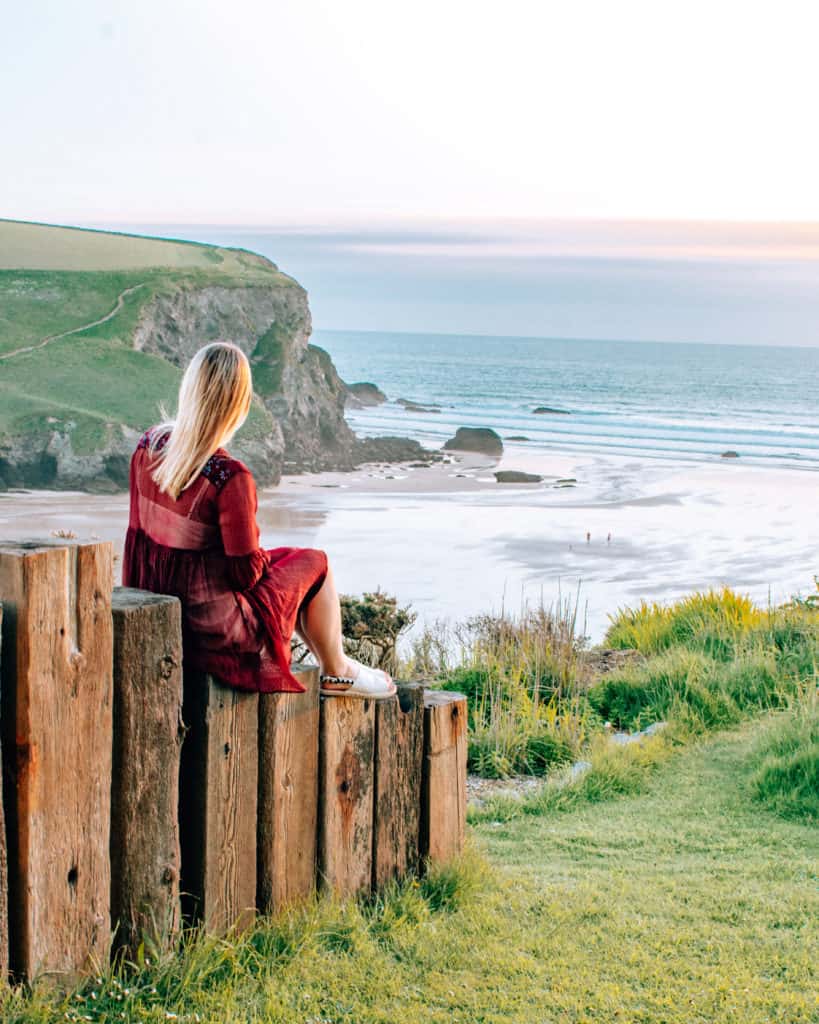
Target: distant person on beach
x: 192, y: 533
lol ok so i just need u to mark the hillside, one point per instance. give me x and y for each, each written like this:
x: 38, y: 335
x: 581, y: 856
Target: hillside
x: 94, y: 330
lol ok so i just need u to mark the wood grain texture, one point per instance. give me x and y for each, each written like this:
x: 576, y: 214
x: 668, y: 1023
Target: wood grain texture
x: 443, y: 784
x: 288, y: 793
x: 346, y: 748
x: 57, y: 722
x: 399, y: 744
x: 145, y: 856
x: 4, y: 907
x: 218, y: 803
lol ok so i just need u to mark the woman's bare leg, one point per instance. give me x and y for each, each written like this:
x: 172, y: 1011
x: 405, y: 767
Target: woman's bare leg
x: 319, y: 624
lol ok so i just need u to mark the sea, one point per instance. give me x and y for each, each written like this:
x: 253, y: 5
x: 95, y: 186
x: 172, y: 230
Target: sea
x: 660, y: 400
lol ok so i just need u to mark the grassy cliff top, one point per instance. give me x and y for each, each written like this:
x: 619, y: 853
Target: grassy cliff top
x: 27, y: 246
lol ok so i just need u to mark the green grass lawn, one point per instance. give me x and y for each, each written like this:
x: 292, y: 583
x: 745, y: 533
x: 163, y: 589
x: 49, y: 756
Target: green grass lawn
x: 688, y: 902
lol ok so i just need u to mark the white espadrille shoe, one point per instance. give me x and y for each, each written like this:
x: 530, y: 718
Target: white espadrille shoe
x: 367, y: 683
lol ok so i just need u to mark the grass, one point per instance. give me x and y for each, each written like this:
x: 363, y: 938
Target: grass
x: 786, y: 778
x: 50, y: 247
x: 681, y: 901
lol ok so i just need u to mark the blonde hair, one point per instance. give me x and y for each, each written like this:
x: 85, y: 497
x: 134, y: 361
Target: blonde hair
x: 214, y: 400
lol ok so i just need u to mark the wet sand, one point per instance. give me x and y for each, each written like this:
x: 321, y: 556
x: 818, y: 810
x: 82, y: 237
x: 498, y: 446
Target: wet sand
x: 452, y: 542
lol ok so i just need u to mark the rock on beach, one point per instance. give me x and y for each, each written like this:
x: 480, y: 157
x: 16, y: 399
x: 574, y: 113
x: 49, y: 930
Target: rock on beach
x: 475, y: 439
x: 515, y: 476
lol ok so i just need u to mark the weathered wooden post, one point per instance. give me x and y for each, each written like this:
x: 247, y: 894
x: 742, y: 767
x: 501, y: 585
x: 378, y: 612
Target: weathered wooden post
x: 145, y: 857
x: 218, y: 802
x: 57, y: 711
x: 399, y: 743
x: 443, y: 785
x: 288, y: 793
x: 345, y: 837
x: 4, y: 906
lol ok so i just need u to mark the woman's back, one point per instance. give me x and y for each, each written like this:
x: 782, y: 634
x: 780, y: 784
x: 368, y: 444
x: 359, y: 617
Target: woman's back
x: 203, y: 547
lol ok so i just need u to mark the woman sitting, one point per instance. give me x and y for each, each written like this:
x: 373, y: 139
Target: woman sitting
x: 192, y: 533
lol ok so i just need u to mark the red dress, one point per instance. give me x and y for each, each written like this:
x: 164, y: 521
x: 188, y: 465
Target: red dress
x: 240, y: 602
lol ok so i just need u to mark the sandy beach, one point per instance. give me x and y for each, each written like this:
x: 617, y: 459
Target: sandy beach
x: 452, y: 542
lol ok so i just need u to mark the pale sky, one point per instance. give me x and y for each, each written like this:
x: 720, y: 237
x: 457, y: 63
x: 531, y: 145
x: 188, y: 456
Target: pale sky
x: 313, y: 111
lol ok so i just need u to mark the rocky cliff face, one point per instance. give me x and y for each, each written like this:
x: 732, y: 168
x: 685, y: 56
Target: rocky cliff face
x: 296, y: 381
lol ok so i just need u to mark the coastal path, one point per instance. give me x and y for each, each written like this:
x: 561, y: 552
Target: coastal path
x: 76, y: 330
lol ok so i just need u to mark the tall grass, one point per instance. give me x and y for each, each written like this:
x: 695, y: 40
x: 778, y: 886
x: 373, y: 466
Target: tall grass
x: 709, y: 661
x: 519, y: 674
x: 786, y: 778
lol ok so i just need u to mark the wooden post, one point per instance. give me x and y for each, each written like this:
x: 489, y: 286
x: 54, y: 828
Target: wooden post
x: 399, y: 744
x: 4, y: 906
x: 56, y: 710
x: 218, y: 801
x: 145, y: 858
x: 288, y: 793
x: 346, y: 742
x: 443, y: 785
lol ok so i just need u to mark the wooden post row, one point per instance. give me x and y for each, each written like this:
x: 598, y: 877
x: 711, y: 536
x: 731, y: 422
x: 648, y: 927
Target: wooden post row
x: 288, y: 793
x: 4, y: 908
x: 399, y: 739
x: 218, y: 802
x: 148, y: 730
x: 57, y: 732
x: 443, y: 790
x: 345, y: 814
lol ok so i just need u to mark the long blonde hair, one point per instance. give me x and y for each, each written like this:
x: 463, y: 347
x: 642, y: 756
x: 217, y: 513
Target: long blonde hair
x: 214, y: 400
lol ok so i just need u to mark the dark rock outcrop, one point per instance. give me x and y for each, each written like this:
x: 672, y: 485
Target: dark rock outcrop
x: 476, y: 439
x: 362, y: 394
x: 392, y: 449
x: 518, y: 437
x: 514, y: 476
x: 411, y: 406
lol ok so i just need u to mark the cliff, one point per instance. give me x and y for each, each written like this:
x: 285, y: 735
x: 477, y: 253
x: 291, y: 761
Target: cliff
x: 94, y: 331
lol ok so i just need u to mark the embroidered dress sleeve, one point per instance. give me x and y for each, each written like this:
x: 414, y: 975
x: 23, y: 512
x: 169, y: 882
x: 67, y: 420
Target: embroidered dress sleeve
x: 237, y: 505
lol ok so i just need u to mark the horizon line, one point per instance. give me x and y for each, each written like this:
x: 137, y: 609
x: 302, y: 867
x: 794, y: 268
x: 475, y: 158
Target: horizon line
x: 547, y: 337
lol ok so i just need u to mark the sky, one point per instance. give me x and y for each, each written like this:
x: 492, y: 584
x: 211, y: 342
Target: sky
x: 315, y: 112
x: 645, y: 169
